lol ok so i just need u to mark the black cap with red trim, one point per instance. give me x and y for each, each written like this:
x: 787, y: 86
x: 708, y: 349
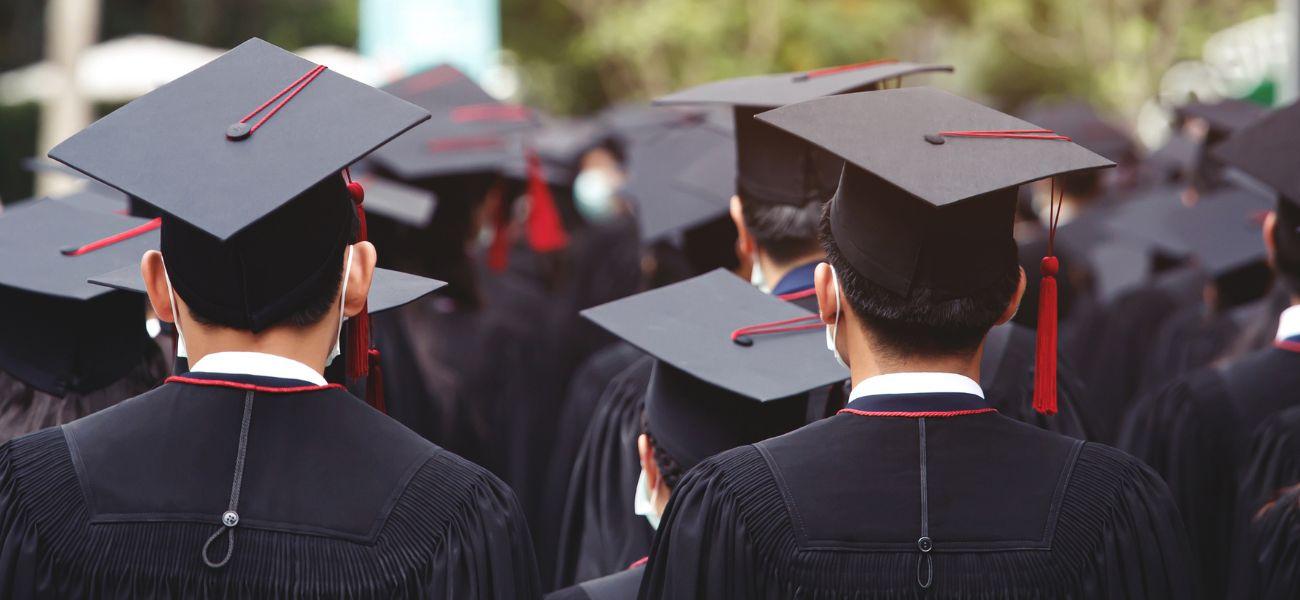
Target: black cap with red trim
x: 733, y: 364
x: 928, y: 195
x: 243, y: 157
x: 59, y: 333
x: 929, y: 186
x: 774, y: 167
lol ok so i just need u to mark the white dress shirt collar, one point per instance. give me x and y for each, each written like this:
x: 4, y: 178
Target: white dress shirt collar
x: 916, y: 383
x: 1288, y: 325
x: 259, y: 364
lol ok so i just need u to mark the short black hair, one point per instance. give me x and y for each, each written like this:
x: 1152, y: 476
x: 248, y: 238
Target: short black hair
x: 925, y: 322
x: 310, y: 313
x: 785, y: 231
x: 670, y: 471
x: 1286, y: 240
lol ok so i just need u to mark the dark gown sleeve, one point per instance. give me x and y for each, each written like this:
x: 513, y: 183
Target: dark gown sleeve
x: 19, y: 543
x: 601, y: 533
x: 486, y: 551
x: 573, y: 592
x: 704, y: 547
x: 1188, y: 433
x: 1267, y: 524
x: 1273, y: 552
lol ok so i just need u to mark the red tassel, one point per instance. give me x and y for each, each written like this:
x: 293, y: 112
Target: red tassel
x: 359, y: 326
x: 1045, y: 357
x: 545, y: 230
x: 1045, y: 367
x: 375, y: 383
x: 498, y: 257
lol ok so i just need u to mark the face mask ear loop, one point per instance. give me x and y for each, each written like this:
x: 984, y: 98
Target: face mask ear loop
x: 181, y: 350
x: 835, y: 328
x: 343, y: 301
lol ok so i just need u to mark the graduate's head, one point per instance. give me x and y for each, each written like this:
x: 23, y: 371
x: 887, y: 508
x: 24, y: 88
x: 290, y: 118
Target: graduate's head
x: 297, y: 270
x: 1262, y: 149
x: 720, y: 378
x: 244, y: 160
x: 919, y: 234
x: 1282, y: 239
x: 781, y: 183
x: 61, y: 336
x: 926, y: 320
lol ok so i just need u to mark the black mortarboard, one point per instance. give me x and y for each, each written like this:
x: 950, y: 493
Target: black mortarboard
x: 929, y: 184
x: 1265, y: 150
x: 60, y: 333
x: 406, y: 204
x: 438, y: 87
x: 1085, y: 127
x: 469, y: 132
x: 389, y: 289
x: 665, y: 199
x: 243, y: 156
x: 1222, y: 230
x: 773, y: 166
x: 94, y: 194
x: 709, y: 393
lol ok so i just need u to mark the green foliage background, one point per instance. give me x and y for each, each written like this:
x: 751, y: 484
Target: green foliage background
x: 576, y: 56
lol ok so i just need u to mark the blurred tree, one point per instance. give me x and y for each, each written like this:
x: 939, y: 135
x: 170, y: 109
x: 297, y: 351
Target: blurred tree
x: 579, y: 53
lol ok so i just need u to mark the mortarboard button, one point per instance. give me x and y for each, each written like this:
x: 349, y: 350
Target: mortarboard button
x: 238, y: 131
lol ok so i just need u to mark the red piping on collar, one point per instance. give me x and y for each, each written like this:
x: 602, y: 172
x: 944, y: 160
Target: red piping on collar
x: 933, y: 414
x: 800, y: 295
x: 638, y: 562
x: 248, y: 386
x: 1287, y: 345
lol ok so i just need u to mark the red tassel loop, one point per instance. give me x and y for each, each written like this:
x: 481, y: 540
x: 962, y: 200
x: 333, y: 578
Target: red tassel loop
x: 744, y: 335
x: 1045, y: 358
x: 545, y: 230
x: 375, y: 383
x: 133, y: 232
x: 815, y: 73
x: 359, y: 326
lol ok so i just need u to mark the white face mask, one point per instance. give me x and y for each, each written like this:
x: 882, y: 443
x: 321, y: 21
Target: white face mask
x: 833, y: 330
x: 645, y: 501
x: 335, y: 352
x: 593, y: 195
x: 756, y: 277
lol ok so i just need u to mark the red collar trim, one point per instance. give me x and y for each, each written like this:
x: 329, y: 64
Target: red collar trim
x: 250, y: 387
x: 800, y: 295
x: 638, y: 563
x: 1287, y: 345
x: 934, y: 414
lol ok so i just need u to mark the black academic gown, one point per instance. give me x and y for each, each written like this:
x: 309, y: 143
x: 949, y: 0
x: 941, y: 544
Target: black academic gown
x: 1266, y: 549
x: 1191, y: 338
x: 1007, y: 376
x: 1196, y: 434
x: 883, y: 502
x: 619, y: 586
x: 335, y: 500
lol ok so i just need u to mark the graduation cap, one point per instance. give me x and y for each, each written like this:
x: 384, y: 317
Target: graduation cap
x: 709, y: 393
x: 60, y: 334
x: 243, y: 156
x: 1222, y: 230
x: 1081, y: 123
x: 438, y: 87
x: 406, y: 204
x: 1264, y: 150
x: 666, y: 185
x: 388, y: 289
x: 928, y: 192
x: 1222, y: 117
x: 772, y: 166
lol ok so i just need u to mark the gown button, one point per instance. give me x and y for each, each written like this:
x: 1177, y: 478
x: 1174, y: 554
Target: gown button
x: 230, y: 518
x: 925, y: 544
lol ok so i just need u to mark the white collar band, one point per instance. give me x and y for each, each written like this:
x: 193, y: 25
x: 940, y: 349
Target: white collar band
x: 916, y: 383
x: 258, y: 364
x: 1288, y: 325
